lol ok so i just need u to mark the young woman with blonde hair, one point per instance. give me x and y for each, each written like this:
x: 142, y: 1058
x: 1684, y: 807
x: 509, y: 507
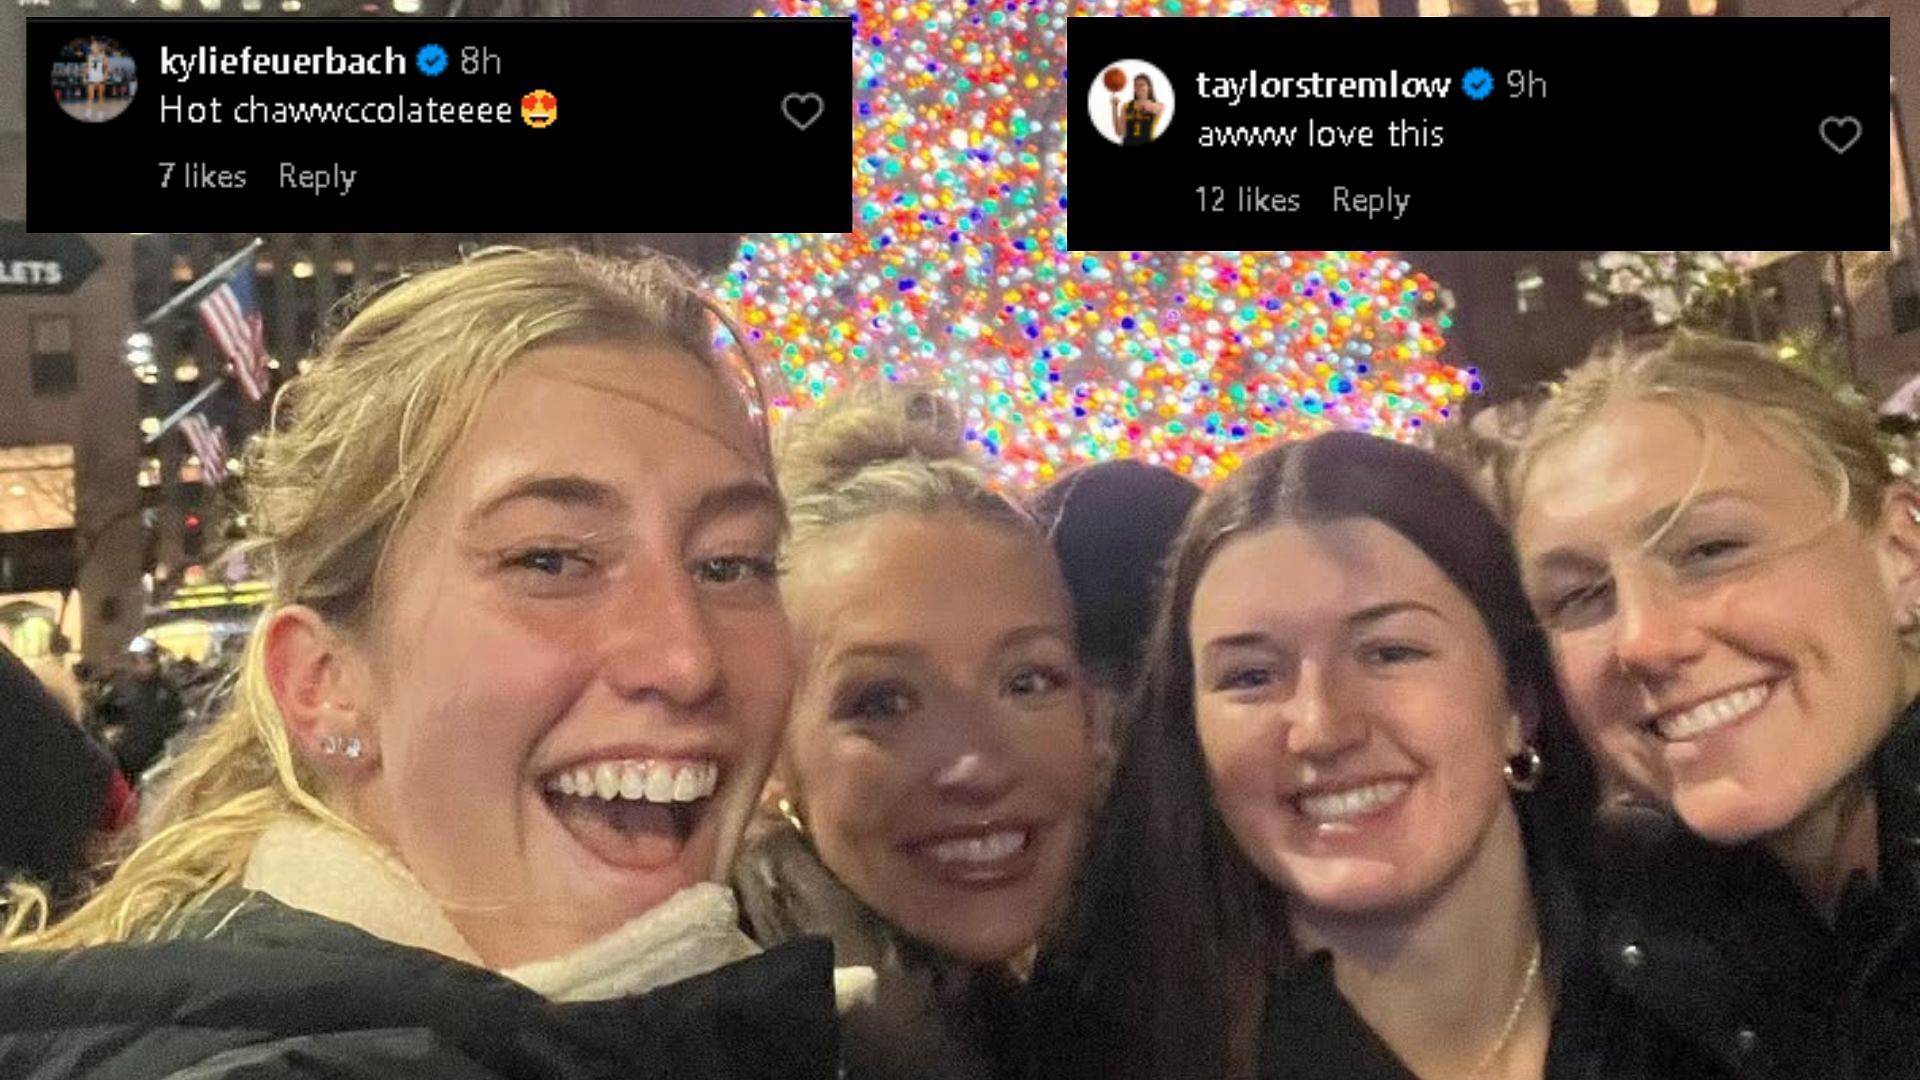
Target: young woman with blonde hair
x: 1729, y: 573
x: 938, y: 770
x: 519, y: 685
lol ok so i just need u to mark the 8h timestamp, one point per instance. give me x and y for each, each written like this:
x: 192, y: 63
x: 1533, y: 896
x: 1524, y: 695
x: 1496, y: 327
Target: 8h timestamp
x: 1246, y: 199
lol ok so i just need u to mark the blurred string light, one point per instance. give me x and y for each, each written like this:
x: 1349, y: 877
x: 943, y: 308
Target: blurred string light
x: 958, y: 270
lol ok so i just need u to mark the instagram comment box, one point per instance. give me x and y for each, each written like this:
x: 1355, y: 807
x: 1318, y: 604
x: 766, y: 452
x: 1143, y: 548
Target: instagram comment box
x: 1477, y: 134
x: 439, y: 125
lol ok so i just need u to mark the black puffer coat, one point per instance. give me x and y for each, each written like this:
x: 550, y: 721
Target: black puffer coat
x: 1723, y: 942
x: 265, y: 992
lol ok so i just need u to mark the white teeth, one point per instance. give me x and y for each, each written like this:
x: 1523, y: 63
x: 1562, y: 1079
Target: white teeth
x: 980, y: 849
x: 633, y: 781
x: 660, y: 784
x: 638, y: 781
x: 686, y: 784
x: 1341, y: 805
x: 1709, y: 715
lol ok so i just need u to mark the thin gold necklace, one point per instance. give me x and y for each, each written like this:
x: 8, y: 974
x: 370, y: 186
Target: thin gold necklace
x: 1513, y: 1014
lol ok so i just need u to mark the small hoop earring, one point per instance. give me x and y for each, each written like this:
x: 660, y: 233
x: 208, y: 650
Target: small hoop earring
x: 792, y: 813
x: 1524, y: 769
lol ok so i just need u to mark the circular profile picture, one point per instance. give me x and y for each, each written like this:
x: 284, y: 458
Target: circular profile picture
x: 1131, y: 102
x: 93, y: 79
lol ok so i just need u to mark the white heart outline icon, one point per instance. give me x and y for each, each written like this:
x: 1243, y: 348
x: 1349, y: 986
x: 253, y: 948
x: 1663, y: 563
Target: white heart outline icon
x: 1830, y: 127
x: 789, y: 103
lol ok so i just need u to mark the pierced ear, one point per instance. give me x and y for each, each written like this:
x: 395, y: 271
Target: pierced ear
x: 1899, y: 551
x: 319, y: 684
x: 1523, y: 723
x: 775, y: 789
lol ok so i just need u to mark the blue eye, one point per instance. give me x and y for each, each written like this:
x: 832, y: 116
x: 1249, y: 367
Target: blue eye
x: 548, y: 562
x: 732, y: 569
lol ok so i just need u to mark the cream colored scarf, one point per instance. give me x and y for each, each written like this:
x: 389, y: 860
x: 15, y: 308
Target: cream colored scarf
x: 320, y: 869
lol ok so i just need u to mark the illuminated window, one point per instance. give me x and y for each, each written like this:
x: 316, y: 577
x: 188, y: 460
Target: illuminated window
x: 190, y: 469
x: 150, y: 473
x: 36, y: 488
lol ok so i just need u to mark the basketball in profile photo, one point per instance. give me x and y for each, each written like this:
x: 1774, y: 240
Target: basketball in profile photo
x: 1131, y: 102
x: 93, y: 79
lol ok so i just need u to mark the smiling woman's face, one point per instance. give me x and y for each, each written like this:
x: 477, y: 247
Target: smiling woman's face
x: 579, y: 662
x: 940, y: 747
x: 1725, y: 636
x: 1353, y: 714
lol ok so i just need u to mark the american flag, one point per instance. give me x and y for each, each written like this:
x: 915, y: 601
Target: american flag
x: 209, y: 445
x: 232, y: 316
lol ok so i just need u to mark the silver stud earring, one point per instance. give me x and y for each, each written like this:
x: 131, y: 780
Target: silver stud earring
x: 349, y: 747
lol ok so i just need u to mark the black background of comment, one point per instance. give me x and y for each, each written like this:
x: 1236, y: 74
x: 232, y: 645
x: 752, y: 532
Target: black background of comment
x: 662, y: 125
x: 1655, y: 134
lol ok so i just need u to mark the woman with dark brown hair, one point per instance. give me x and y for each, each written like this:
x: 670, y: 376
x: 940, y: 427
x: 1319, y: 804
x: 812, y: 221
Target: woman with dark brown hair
x: 1348, y: 836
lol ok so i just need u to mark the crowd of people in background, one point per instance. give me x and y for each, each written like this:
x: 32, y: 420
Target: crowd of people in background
x: 595, y: 729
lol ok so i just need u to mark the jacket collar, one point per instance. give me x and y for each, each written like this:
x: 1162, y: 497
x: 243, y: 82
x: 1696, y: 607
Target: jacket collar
x: 332, y: 873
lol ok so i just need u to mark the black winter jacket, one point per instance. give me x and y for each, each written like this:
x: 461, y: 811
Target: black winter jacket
x: 1725, y: 941
x: 1601, y: 1030
x: 255, y: 990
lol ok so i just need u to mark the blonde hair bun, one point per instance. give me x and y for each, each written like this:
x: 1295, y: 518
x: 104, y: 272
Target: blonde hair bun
x: 874, y: 424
